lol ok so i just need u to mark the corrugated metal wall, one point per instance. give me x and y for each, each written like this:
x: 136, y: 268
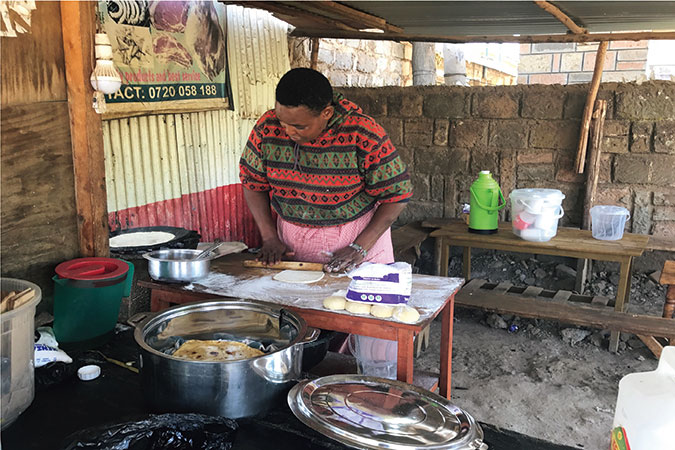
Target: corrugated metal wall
x: 182, y: 169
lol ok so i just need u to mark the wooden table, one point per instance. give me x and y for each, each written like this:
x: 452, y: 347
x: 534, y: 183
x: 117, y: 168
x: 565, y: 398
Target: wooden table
x: 431, y: 296
x: 570, y: 242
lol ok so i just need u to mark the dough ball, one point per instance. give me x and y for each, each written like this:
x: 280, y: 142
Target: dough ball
x: 334, y: 303
x: 382, y: 311
x: 406, y: 314
x: 358, y: 307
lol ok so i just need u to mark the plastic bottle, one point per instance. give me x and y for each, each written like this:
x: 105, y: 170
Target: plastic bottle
x: 645, y: 408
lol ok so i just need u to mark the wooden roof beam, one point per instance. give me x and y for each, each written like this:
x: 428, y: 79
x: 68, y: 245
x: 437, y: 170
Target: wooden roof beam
x: 561, y: 16
x: 531, y: 39
x: 348, y: 15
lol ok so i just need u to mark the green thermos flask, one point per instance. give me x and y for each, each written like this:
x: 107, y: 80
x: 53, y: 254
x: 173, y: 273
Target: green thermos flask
x: 485, y: 204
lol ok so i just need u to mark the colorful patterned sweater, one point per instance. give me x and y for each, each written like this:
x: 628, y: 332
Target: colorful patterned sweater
x: 332, y: 180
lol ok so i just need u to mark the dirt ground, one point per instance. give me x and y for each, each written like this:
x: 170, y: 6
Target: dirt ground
x: 554, y: 381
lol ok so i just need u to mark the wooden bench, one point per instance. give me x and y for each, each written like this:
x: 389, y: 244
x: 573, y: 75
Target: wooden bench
x: 569, y: 242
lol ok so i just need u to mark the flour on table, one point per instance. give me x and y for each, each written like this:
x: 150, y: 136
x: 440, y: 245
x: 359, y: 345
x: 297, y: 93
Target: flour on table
x: 299, y: 276
x: 141, y: 238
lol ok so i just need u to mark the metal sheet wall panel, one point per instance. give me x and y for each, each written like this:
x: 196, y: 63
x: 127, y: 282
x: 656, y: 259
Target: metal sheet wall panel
x: 182, y: 169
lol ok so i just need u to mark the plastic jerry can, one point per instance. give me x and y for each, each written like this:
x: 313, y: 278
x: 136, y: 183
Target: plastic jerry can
x: 645, y: 408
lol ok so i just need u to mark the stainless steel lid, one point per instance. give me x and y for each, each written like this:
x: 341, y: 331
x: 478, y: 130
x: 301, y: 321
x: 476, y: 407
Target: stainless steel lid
x: 374, y: 413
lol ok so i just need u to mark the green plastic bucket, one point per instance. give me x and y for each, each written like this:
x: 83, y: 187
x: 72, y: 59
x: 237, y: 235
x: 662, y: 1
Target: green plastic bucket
x: 87, y: 297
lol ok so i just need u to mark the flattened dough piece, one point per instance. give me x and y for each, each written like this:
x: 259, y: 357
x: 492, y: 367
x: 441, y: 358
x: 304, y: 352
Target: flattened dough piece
x: 335, y: 303
x: 299, y: 276
x: 382, y: 311
x: 358, y: 307
x: 211, y: 350
x: 406, y: 314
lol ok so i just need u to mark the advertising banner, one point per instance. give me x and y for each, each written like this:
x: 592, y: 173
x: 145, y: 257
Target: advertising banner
x: 171, y: 55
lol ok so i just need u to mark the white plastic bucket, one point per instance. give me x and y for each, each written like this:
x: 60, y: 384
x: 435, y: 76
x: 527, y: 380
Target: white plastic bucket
x: 374, y: 357
x: 608, y: 222
x: 16, y: 352
x: 535, y: 213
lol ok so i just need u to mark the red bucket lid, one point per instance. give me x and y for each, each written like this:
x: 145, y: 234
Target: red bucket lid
x: 92, y: 269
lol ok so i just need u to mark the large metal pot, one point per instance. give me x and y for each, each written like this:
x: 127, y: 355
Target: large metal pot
x: 232, y: 389
x: 177, y: 265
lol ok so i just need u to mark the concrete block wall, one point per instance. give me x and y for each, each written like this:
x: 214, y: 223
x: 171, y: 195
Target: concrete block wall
x: 572, y: 63
x: 527, y: 136
x: 351, y: 62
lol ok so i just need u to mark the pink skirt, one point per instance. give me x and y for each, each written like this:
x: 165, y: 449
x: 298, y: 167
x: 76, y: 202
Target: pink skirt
x: 317, y: 244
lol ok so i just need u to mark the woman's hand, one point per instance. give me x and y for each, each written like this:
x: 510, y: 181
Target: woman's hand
x: 344, y: 259
x: 272, y: 250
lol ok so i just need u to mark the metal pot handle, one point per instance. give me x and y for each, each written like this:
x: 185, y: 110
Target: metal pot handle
x: 312, y: 335
x: 140, y: 317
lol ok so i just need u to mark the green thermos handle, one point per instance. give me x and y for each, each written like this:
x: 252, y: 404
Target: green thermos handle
x: 489, y: 208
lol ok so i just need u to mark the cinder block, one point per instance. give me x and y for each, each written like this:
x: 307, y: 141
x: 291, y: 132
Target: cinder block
x: 624, y: 76
x: 495, y: 104
x: 664, y: 229
x: 452, y: 105
x: 451, y: 207
x: 646, y: 103
x: 664, y: 198
x: 535, y: 157
x: 507, y: 175
x: 535, y: 63
x: 552, y: 47
x: 608, y: 195
x: 468, y: 133
x: 616, y: 128
x: 530, y: 172
x: 563, y: 134
x: 571, y: 62
x: 394, y: 128
x: 574, y: 104
x: 508, y: 134
x: 343, y: 61
x: 548, y: 78
x: 632, y: 55
x: 566, y: 171
x: 441, y: 160
x: 664, y: 137
x: 366, y: 63
x: 420, y: 125
x: 484, y: 160
x: 538, y: 104
x: 664, y: 213
x: 632, y: 169
x: 606, y: 163
x: 441, y: 131
x: 405, y: 105
x: 407, y: 155
x: 641, y: 137
x: 615, y: 144
x: 662, y: 170
x: 641, y: 220
x: 421, y: 186
x: 580, y: 77
x: 416, y: 140
x: 437, y: 187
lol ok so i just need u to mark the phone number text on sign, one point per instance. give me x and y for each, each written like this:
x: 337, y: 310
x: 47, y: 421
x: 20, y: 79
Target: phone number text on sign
x: 164, y: 92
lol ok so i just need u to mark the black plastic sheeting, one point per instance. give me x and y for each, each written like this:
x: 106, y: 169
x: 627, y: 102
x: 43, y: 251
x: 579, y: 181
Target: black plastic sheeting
x: 159, y: 432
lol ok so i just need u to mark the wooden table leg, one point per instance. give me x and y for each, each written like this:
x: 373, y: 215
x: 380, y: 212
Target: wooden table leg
x: 445, y: 256
x: 404, y: 364
x: 446, y: 349
x: 622, y: 297
x: 157, y: 303
x: 438, y: 255
x: 466, y: 263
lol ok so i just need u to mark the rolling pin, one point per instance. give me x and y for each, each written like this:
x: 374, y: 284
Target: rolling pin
x: 285, y: 265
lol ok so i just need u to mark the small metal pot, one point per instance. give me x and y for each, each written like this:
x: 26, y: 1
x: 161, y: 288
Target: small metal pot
x: 232, y: 389
x: 176, y: 266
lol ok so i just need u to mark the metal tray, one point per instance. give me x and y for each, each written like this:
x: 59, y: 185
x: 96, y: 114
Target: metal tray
x: 375, y: 413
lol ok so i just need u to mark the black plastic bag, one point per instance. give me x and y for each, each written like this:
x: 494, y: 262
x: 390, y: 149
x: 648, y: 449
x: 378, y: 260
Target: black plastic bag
x: 53, y: 373
x: 165, y: 431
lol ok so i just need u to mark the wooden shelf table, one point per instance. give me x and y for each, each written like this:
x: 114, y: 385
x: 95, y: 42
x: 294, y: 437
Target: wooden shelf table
x: 569, y: 242
x: 431, y: 296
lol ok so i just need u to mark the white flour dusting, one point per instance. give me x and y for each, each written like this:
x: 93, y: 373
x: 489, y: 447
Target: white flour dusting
x: 428, y: 292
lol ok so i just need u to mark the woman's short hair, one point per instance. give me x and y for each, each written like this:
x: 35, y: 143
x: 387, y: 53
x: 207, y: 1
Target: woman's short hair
x: 304, y: 87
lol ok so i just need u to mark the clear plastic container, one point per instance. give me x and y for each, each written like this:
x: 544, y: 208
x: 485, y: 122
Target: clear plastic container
x: 374, y: 357
x: 608, y: 222
x: 535, y: 213
x: 645, y: 406
x: 16, y: 352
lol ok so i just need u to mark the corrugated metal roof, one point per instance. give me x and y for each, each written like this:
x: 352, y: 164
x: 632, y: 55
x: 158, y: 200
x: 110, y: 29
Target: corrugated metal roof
x: 518, y: 17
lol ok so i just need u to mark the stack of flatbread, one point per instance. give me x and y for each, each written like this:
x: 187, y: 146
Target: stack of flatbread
x: 209, y: 350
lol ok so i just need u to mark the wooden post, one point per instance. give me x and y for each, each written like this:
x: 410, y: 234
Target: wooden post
x: 588, y: 109
x: 78, y: 24
x: 597, y: 125
x: 314, y: 57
